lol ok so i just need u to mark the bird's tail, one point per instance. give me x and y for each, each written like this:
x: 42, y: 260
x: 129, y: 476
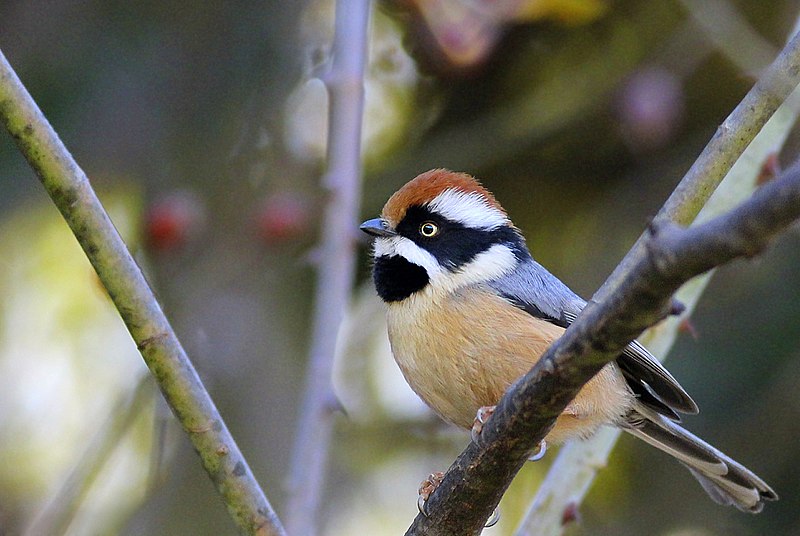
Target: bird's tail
x: 725, y: 480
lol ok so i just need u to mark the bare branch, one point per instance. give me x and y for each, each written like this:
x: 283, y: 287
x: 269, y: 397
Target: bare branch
x: 345, y: 85
x: 475, y: 482
x: 69, y: 188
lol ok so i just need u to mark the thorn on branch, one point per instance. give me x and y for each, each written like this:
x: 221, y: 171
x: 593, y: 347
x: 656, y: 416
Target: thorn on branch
x: 686, y: 326
x: 571, y: 514
x: 770, y: 169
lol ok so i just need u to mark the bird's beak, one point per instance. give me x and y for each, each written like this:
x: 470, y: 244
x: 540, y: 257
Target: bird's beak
x: 377, y: 227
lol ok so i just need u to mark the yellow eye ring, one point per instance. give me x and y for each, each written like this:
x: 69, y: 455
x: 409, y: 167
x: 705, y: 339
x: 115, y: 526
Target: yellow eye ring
x: 428, y: 229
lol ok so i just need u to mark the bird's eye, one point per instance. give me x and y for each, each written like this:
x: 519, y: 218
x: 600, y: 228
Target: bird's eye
x: 428, y: 229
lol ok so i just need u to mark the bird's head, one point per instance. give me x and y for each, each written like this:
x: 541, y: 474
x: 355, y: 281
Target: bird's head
x: 439, y: 232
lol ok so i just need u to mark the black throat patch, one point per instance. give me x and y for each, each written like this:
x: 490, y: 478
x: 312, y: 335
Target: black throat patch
x: 396, y: 278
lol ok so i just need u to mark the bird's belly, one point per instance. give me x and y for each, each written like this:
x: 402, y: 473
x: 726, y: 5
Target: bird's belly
x: 463, y: 351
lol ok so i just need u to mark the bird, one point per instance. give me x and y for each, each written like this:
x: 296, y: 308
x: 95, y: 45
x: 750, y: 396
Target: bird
x: 469, y: 311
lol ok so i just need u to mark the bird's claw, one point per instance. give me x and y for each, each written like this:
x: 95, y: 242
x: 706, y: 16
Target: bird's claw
x: 483, y: 414
x: 429, y: 485
x: 426, y: 488
x: 493, y: 519
x: 538, y: 454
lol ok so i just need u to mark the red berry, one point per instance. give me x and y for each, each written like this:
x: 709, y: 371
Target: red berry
x: 650, y: 108
x: 283, y: 217
x: 172, y: 220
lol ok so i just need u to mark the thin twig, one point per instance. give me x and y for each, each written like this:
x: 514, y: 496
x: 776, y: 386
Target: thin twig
x: 69, y: 188
x: 485, y: 485
x: 345, y: 84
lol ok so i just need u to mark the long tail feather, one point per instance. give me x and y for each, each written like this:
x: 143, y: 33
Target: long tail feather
x: 726, y: 481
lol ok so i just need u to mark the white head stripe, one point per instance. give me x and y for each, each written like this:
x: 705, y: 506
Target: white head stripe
x: 400, y: 245
x: 495, y: 262
x: 467, y: 208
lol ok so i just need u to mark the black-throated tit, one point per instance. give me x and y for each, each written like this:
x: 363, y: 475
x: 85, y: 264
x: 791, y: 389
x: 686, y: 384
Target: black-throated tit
x: 469, y: 311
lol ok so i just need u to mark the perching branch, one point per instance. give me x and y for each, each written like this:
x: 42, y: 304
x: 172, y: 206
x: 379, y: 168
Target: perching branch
x: 69, y: 188
x: 477, y: 479
x: 345, y: 84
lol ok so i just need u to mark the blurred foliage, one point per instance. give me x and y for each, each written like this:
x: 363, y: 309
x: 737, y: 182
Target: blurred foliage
x: 65, y: 362
x: 581, y: 116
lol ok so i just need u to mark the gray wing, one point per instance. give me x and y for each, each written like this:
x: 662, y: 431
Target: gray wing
x: 538, y: 292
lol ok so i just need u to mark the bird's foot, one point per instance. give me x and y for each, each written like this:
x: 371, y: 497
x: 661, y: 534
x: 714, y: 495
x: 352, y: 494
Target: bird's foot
x: 426, y: 488
x: 429, y: 485
x: 481, y: 417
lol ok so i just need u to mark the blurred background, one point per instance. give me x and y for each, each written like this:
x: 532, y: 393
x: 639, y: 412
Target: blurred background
x: 203, y: 127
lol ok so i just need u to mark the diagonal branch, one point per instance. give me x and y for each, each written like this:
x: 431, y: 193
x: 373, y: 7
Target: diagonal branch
x: 69, y: 188
x: 477, y: 479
